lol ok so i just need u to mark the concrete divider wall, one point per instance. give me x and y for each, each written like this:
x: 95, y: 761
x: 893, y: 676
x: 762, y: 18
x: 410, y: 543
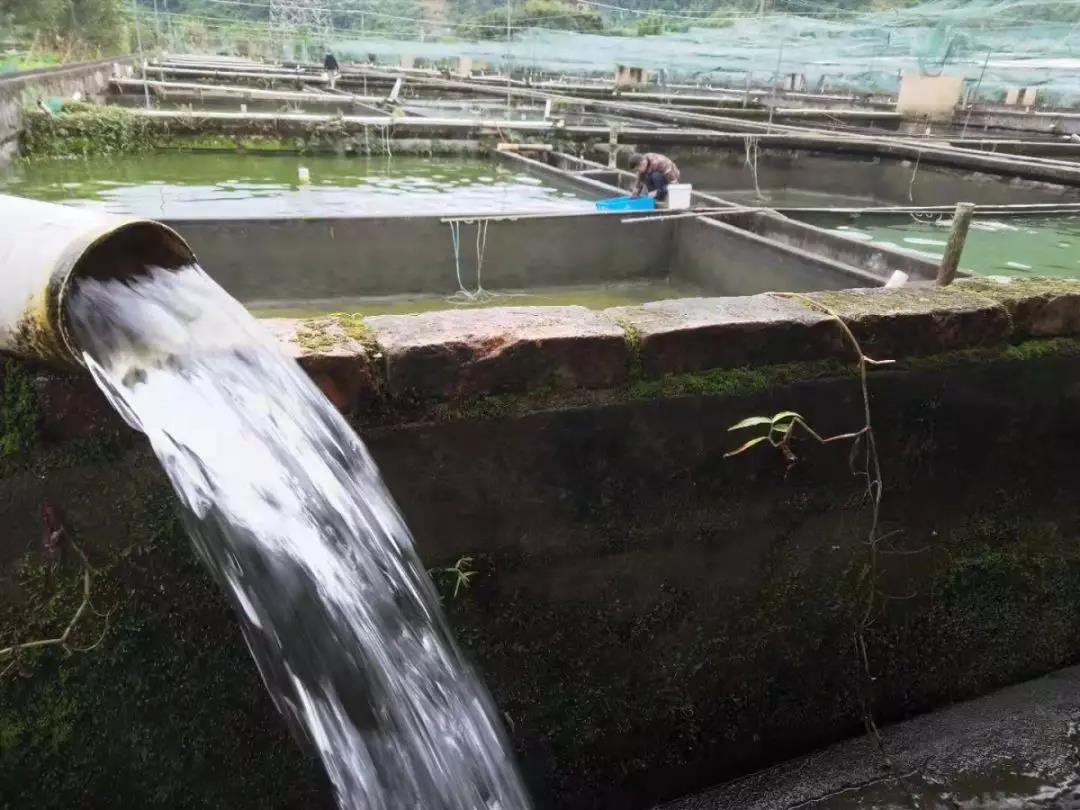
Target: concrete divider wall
x: 340, y: 257
x: 724, y: 260
x: 325, y: 258
x: 89, y: 78
x: 882, y: 263
x: 740, y: 260
x: 1063, y: 122
x: 877, y: 180
x: 773, y: 241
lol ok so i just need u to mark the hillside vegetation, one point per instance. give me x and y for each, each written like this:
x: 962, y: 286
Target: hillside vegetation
x: 41, y: 32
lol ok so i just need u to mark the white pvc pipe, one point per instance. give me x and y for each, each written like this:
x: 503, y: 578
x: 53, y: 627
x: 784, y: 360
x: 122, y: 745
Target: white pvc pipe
x: 44, y: 247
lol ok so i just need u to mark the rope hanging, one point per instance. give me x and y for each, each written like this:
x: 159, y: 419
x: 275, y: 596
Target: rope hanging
x: 751, y: 144
x: 464, y: 295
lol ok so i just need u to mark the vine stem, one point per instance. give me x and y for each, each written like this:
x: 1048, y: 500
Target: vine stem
x: 63, y: 640
x: 875, y: 490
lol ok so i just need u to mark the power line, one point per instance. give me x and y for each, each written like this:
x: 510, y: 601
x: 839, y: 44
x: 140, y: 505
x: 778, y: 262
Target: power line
x: 400, y: 18
x: 689, y: 15
x: 244, y: 22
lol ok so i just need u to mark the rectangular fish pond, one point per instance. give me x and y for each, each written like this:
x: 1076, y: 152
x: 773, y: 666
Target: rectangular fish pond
x: 781, y: 177
x: 229, y: 186
x: 1015, y: 246
x: 412, y: 234
x: 364, y: 235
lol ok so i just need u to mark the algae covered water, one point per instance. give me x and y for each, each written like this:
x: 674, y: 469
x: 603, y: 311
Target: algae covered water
x: 231, y: 186
x: 286, y: 508
x: 1022, y: 246
x: 592, y: 296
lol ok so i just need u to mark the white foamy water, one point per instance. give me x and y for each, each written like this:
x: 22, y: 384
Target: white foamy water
x: 286, y: 507
x: 917, y: 240
x: 991, y: 225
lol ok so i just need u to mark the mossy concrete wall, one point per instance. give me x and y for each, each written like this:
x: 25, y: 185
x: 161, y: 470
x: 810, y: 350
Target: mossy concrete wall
x: 874, y: 180
x: 651, y: 616
x: 257, y: 259
x: 26, y: 88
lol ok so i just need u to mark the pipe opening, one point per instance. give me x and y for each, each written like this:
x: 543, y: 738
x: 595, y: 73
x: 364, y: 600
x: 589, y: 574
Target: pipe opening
x: 127, y: 251
x: 124, y: 253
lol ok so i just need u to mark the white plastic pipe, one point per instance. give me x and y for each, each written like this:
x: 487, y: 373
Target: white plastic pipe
x: 45, y: 247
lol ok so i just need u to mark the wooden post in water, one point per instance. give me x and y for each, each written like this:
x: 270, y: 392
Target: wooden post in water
x: 613, y: 146
x: 951, y: 260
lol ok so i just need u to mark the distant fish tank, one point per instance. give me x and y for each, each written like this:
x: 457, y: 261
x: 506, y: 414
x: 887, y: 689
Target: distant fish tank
x: 232, y: 186
x: 1020, y: 246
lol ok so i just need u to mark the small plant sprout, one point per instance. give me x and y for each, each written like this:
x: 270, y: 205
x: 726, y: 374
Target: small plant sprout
x: 781, y: 427
x: 460, y: 574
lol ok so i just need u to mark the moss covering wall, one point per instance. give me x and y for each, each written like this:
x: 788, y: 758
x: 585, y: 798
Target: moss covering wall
x: 91, y: 130
x: 650, y: 616
x: 19, y: 417
x: 167, y: 710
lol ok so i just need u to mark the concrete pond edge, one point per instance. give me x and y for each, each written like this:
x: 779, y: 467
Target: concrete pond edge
x: 510, y: 361
x: 447, y: 359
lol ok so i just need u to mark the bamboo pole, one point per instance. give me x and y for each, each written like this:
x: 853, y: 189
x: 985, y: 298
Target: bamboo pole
x: 951, y: 260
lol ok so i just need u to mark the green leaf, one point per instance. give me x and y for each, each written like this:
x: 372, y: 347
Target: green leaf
x: 782, y: 427
x: 751, y: 421
x: 745, y: 446
x: 786, y: 415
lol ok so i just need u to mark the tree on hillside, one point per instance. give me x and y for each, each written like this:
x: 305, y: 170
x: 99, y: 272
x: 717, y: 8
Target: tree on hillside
x: 93, y: 26
x: 557, y: 14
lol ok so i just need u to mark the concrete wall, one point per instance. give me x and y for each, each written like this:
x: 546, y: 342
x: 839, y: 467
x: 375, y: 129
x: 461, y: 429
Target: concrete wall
x: 878, y: 180
x: 881, y: 263
x: 1062, y: 122
x: 89, y: 78
x: 324, y: 258
x: 271, y: 260
x: 773, y: 242
x: 724, y: 260
x: 746, y: 258
x: 652, y: 617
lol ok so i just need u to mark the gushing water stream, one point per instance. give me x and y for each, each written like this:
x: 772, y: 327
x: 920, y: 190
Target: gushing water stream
x: 286, y: 508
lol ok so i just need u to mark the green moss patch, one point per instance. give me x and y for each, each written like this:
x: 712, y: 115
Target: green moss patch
x: 1013, y: 289
x: 897, y: 301
x: 319, y: 335
x: 1027, y: 350
x: 168, y: 710
x: 19, y: 414
x: 721, y: 382
x: 85, y: 130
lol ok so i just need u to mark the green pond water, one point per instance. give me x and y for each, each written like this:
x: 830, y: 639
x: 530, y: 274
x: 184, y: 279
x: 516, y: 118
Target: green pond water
x: 793, y: 198
x: 592, y: 296
x: 221, y: 186
x: 995, y: 247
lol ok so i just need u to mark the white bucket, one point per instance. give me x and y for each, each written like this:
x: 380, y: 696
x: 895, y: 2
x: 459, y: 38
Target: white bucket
x: 679, y: 195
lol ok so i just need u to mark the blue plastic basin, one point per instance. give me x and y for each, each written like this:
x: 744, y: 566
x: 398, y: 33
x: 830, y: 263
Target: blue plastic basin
x: 626, y: 204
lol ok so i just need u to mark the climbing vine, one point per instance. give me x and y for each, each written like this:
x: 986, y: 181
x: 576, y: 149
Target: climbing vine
x: 54, y: 542
x: 865, y: 466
